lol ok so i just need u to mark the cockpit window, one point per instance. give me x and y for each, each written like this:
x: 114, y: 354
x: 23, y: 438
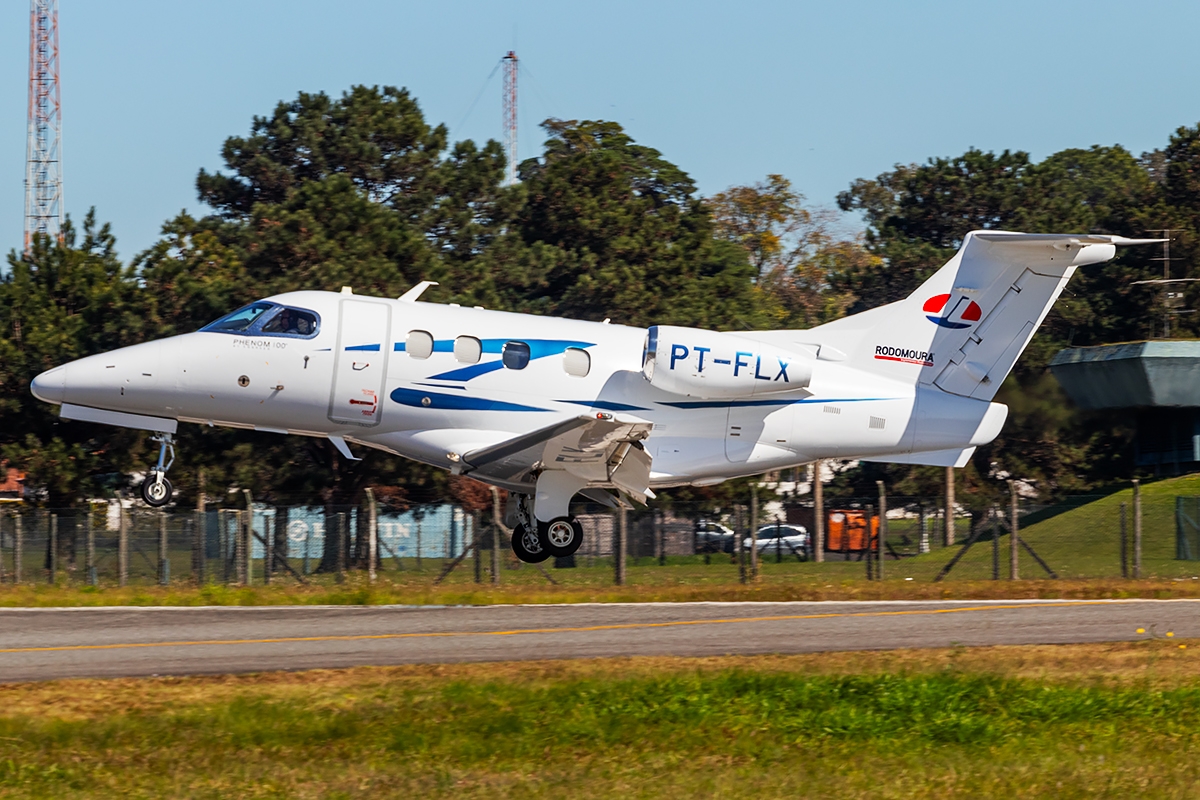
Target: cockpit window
x: 240, y: 320
x: 268, y: 319
x: 291, y: 322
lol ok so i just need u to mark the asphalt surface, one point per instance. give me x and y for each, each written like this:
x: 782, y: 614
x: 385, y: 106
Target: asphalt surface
x: 43, y: 644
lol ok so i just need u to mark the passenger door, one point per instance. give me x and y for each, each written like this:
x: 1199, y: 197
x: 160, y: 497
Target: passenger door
x: 360, y: 362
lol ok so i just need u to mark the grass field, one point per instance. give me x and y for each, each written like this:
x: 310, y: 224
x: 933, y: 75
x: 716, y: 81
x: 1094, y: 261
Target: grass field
x: 1072, y: 721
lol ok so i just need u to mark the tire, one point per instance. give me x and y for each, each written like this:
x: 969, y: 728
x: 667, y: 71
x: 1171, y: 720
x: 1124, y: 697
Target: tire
x: 562, y: 535
x: 529, y: 546
x: 156, y: 494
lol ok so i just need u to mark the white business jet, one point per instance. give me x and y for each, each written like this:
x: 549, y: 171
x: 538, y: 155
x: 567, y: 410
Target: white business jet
x: 550, y: 408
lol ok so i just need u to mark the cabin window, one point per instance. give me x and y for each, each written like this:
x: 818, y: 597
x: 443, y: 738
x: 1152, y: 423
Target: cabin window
x: 515, y: 355
x: 577, y: 362
x: 419, y: 344
x: 468, y: 349
x: 291, y: 322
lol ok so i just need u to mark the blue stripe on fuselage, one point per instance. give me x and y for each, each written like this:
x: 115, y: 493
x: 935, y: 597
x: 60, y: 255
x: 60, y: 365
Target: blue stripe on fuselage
x: 453, y: 402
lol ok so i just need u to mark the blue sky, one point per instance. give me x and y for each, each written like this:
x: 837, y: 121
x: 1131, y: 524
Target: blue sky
x: 822, y: 92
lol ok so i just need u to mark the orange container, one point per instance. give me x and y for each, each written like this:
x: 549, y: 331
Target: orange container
x: 846, y: 531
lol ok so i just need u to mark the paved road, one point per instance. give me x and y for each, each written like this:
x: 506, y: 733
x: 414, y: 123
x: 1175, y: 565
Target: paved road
x: 40, y: 644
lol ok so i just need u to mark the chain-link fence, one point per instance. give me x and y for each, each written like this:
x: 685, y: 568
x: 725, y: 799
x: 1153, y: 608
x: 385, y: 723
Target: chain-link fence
x: 1155, y: 535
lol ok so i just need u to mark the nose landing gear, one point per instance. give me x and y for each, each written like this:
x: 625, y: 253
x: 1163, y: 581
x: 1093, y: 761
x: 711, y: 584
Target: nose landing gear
x: 156, y: 489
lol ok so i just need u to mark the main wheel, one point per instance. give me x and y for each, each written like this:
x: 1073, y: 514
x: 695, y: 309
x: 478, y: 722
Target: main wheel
x: 529, y: 546
x: 156, y: 492
x: 563, y: 536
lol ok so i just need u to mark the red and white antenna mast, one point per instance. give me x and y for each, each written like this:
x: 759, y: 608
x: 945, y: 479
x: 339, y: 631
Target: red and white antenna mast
x: 43, y: 149
x: 510, y: 115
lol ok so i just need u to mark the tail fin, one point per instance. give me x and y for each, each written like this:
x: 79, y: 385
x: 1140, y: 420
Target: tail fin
x: 967, y: 325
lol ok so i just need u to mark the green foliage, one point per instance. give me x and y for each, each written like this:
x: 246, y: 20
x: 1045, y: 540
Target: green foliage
x: 614, y: 230
x: 62, y: 300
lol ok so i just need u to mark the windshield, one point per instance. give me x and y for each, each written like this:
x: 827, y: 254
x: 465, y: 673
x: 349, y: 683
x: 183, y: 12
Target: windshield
x: 241, y: 319
x: 268, y: 319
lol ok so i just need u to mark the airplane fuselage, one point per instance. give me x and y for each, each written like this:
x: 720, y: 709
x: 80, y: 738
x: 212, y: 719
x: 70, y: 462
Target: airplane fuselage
x: 359, y: 377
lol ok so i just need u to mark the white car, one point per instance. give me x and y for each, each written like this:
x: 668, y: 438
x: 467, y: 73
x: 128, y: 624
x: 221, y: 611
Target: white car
x: 713, y: 537
x: 775, y: 538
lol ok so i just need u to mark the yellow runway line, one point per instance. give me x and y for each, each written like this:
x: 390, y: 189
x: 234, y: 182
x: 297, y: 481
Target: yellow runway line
x: 579, y: 629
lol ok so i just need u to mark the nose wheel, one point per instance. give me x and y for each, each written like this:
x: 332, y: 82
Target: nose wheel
x: 156, y: 489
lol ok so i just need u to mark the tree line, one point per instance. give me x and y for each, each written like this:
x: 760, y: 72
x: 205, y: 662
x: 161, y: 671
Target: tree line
x: 361, y: 190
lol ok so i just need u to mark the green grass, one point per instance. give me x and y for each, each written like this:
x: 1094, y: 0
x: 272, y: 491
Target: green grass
x: 1080, y: 542
x: 939, y: 726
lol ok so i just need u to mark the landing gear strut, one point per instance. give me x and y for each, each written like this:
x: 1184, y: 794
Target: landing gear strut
x: 156, y: 489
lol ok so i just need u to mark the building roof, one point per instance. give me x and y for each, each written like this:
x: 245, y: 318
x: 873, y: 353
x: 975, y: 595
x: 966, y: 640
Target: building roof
x: 1154, y: 373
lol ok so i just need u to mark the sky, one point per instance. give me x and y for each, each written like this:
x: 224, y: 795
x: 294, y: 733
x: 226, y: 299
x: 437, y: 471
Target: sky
x: 821, y: 92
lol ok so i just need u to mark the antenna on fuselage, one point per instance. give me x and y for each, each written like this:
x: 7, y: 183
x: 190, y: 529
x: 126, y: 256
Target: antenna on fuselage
x: 412, y: 294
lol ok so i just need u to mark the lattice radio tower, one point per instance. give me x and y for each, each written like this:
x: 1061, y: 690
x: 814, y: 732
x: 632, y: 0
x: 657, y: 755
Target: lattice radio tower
x: 43, y: 149
x: 510, y: 114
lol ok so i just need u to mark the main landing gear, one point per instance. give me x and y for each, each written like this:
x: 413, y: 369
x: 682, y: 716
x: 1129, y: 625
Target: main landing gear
x: 534, y: 541
x: 156, y: 489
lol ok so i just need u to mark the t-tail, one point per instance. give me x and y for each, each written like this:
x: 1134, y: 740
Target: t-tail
x: 965, y: 327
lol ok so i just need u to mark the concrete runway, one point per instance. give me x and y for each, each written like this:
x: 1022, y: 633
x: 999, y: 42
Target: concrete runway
x: 42, y: 644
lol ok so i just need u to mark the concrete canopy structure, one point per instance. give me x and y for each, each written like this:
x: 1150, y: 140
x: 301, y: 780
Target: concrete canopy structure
x: 1158, y: 380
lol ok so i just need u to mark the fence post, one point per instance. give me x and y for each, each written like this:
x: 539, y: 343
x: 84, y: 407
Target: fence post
x: 948, y: 515
x: 619, y: 548
x: 122, y: 544
x: 341, y: 547
x: 2, y: 575
x: 1124, y: 540
x: 239, y: 546
x: 754, y: 531
x: 198, y: 536
x: 52, y: 550
x: 478, y: 553
x: 1137, y: 528
x: 883, y: 527
x: 922, y: 530
x: 90, y: 557
x: 1014, y: 567
x: 18, y: 546
x: 496, y: 536
x: 373, y: 534
x: 662, y: 537
x: 868, y: 557
x: 248, y: 537
x: 995, y: 543
x: 268, y: 547
x: 818, y: 487
x: 164, y: 564
x: 739, y: 543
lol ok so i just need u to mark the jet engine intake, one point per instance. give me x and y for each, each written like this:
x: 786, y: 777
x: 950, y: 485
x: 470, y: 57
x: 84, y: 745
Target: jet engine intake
x: 709, y: 364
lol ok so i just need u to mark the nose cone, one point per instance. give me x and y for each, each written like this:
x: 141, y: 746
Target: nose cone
x: 50, y: 386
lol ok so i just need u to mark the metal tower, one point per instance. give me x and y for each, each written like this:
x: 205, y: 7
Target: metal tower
x: 43, y: 149
x: 510, y: 114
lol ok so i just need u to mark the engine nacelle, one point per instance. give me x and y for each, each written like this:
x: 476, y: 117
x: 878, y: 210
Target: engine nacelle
x: 708, y: 364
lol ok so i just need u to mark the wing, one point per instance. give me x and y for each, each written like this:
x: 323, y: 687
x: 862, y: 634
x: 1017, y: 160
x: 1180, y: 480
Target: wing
x: 600, y: 450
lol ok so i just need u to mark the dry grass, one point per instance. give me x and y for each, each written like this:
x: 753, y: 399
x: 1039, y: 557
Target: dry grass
x: 1149, y: 663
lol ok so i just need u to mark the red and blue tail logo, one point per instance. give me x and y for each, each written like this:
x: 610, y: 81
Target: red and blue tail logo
x: 964, y: 314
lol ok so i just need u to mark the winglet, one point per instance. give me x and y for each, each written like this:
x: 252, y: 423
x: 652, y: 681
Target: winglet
x: 412, y: 294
